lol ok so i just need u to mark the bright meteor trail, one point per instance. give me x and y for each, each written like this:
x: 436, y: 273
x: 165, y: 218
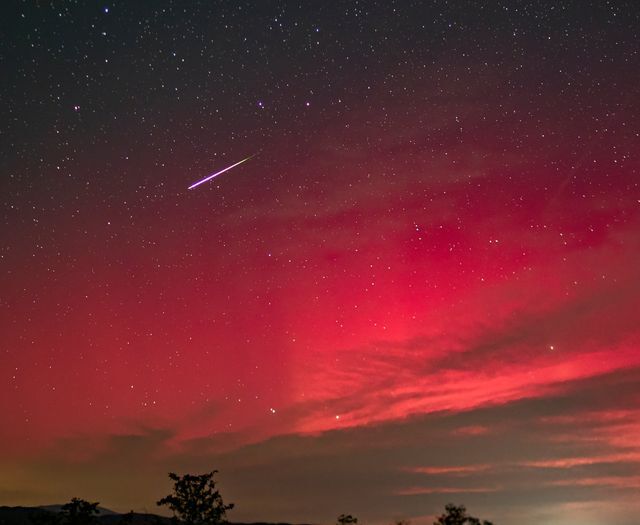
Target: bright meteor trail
x: 219, y: 172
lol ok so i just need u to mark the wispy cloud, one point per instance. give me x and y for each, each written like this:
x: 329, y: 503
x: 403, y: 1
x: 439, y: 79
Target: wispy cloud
x: 416, y: 491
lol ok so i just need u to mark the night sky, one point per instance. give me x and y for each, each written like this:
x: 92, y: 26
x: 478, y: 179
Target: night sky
x: 424, y: 287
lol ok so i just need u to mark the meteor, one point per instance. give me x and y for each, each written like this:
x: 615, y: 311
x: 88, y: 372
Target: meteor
x: 219, y: 172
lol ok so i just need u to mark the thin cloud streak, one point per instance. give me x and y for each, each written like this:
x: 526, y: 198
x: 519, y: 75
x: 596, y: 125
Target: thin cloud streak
x: 417, y: 491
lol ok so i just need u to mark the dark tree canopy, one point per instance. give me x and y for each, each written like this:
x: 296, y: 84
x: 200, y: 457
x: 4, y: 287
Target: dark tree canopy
x: 195, y: 500
x: 457, y: 515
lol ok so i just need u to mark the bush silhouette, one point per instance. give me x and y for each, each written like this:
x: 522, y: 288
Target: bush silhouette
x: 347, y: 519
x: 79, y: 512
x: 76, y: 512
x: 457, y: 515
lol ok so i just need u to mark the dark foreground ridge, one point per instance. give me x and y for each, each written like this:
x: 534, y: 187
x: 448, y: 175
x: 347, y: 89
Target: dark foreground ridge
x: 24, y: 516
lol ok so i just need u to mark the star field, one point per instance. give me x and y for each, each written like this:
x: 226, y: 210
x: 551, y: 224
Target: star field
x: 423, y: 286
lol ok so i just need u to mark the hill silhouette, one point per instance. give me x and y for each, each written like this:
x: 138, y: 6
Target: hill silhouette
x: 23, y: 515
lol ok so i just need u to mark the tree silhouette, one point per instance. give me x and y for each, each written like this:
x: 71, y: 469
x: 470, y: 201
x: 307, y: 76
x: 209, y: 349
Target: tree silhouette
x: 457, y: 515
x: 347, y: 519
x: 76, y: 512
x: 195, y: 500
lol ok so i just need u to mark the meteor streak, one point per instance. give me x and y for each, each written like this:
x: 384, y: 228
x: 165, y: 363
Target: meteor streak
x: 219, y: 172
